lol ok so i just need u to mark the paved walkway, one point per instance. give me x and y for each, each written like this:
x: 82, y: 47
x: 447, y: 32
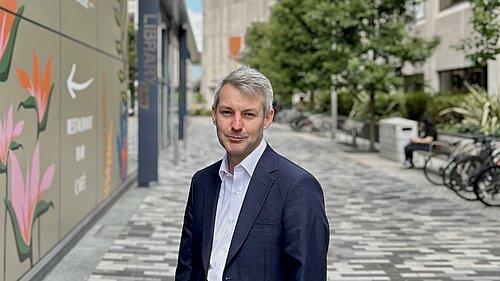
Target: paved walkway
x: 386, y: 223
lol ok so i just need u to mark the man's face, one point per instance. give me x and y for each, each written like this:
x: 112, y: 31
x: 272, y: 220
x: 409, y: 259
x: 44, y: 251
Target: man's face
x: 240, y: 122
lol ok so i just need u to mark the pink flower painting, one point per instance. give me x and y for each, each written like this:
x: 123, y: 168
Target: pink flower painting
x: 8, y: 133
x: 27, y: 204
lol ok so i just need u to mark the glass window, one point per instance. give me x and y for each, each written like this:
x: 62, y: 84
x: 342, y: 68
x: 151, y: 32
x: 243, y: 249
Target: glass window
x: 453, y: 80
x: 444, y: 4
x: 417, y: 9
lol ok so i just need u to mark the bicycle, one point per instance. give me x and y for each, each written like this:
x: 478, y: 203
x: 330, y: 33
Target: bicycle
x: 487, y: 185
x: 437, y: 165
x: 463, y: 173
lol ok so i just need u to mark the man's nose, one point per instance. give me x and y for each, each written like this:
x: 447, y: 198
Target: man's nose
x: 236, y: 124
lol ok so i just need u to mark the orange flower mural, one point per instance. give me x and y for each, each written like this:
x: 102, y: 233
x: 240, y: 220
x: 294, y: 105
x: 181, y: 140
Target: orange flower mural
x: 40, y: 89
x: 9, y: 22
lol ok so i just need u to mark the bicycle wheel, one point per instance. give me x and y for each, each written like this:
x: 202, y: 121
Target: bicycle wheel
x: 487, y: 186
x: 447, y: 173
x: 463, y: 174
x: 434, y: 168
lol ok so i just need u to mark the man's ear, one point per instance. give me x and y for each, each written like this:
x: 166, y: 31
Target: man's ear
x: 213, y: 115
x: 269, y: 118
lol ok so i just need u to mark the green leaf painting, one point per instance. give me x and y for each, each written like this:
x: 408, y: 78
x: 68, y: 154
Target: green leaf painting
x: 6, y: 58
x: 23, y: 250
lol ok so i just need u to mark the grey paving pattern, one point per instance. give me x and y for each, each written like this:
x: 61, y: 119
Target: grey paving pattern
x: 382, y: 228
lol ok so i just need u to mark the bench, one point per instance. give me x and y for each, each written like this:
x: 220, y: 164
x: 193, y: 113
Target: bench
x: 442, y: 147
x: 354, y: 128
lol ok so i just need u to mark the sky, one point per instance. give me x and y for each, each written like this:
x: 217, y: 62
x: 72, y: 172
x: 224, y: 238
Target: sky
x: 195, y: 11
x: 195, y: 5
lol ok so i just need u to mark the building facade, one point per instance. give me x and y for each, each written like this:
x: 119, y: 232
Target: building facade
x: 226, y: 21
x: 224, y: 25
x: 63, y: 123
x: 447, y: 69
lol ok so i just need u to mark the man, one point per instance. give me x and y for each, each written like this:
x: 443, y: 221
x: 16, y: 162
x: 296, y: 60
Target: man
x: 420, y: 143
x: 254, y: 215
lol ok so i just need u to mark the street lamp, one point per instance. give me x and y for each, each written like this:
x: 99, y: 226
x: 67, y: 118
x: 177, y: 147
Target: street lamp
x: 334, y: 107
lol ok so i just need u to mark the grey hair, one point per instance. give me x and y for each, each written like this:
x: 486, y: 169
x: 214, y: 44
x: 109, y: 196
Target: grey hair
x: 250, y: 82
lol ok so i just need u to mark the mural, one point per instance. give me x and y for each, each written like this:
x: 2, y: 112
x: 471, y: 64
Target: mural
x: 40, y: 90
x: 50, y: 148
x: 120, y: 16
x: 9, y: 23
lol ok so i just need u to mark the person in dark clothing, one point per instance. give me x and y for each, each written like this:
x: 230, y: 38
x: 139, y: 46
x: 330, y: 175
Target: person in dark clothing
x: 420, y: 143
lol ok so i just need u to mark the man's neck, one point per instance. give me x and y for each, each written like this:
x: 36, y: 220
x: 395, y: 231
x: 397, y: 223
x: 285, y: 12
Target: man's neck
x: 233, y: 161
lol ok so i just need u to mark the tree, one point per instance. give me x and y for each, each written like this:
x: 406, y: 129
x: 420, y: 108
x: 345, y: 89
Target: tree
x: 376, y: 38
x: 289, y: 51
x: 362, y: 44
x: 482, y: 45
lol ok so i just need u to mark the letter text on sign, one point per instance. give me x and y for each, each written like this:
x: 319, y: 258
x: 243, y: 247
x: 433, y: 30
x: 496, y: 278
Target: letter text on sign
x: 80, y: 152
x: 79, y: 124
x: 80, y: 184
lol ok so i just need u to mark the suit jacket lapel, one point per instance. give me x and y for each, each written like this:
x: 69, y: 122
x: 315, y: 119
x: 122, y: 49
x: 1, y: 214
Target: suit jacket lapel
x: 211, y: 195
x: 256, y: 195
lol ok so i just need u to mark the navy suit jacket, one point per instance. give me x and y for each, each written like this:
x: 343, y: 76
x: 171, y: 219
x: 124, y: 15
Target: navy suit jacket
x: 282, y: 232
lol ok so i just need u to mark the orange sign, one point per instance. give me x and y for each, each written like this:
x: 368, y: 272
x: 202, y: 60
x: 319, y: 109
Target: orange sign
x: 235, y: 44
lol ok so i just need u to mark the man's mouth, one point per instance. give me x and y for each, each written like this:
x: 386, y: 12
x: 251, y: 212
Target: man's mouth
x: 236, y: 138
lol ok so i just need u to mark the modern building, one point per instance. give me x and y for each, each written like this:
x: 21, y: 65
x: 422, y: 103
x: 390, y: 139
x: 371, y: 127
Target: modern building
x: 447, y: 69
x: 226, y: 21
x: 224, y: 25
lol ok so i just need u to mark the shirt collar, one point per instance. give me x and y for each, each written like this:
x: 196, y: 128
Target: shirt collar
x: 249, y: 163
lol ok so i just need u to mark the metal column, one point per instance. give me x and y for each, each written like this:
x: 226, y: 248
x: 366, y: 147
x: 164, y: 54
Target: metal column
x: 149, y: 20
x: 183, y: 54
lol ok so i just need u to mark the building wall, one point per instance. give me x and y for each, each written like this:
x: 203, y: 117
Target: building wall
x: 451, y: 25
x: 223, y: 19
x: 63, y: 96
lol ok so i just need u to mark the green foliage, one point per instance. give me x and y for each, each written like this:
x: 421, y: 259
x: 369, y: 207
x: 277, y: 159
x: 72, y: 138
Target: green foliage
x: 442, y: 101
x: 199, y: 98
x: 291, y: 49
x: 323, y: 101
x: 345, y: 102
x: 385, y: 106
x: 415, y: 104
x: 132, y: 60
x: 480, y: 111
x: 482, y: 45
x: 200, y: 112
x: 309, y: 42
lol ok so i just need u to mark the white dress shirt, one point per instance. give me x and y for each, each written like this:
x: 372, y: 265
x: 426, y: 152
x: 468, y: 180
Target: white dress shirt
x: 232, y: 192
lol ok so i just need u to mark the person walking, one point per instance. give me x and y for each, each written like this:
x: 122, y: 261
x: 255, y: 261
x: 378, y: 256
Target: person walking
x: 254, y: 215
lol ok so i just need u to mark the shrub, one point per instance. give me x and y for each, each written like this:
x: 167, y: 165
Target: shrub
x: 480, y: 111
x: 415, y: 105
x: 442, y: 101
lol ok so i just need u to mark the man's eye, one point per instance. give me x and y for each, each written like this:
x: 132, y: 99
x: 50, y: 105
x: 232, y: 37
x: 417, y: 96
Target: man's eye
x: 249, y: 115
x: 226, y: 113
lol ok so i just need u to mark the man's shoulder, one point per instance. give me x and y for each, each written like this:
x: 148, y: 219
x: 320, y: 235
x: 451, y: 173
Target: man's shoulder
x: 290, y: 168
x: 208, y: 171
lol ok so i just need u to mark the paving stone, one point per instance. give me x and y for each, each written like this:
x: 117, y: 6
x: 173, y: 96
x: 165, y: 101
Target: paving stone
x: 383, y: 227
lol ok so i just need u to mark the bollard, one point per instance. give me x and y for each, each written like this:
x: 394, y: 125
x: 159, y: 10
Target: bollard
x: 186, y: 130
x: 176, y: 143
